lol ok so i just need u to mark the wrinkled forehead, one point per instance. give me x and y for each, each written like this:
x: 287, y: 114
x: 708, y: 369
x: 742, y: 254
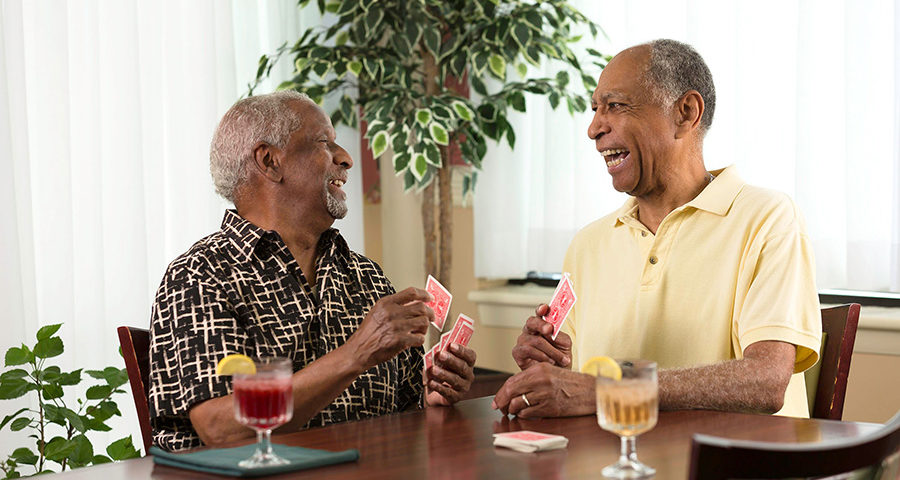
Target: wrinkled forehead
x: 625, y: 73
x: 313, y: 119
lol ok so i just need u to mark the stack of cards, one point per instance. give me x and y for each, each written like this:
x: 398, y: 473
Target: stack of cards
x: 561, y: 304
x: 528, y: 441
x: 441, y: 302
x: 461, y: 334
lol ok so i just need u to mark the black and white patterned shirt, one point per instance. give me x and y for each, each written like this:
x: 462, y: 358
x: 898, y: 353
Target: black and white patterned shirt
x: 240, y: 290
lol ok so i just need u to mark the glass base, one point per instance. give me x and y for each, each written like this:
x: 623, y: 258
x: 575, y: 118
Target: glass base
x: 263, y: 459
x: 628, y: 469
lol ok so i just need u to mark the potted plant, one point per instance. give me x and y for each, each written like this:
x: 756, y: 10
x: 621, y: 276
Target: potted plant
x: 406, y: 65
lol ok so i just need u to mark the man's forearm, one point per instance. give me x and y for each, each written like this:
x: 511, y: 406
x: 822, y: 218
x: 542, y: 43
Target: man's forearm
x: 314, y: 387
x: 753, y: 384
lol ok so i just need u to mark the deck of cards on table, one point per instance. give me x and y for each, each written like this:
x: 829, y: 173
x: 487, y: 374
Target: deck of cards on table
x: 441, y: 302
x: 561, y: 304
x: 528, y: 441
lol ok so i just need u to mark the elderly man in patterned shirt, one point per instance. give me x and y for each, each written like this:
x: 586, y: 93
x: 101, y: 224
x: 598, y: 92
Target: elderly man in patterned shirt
x: 277, y: 280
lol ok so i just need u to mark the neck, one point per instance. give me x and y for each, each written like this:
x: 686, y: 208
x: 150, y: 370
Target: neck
x: 681, y: 187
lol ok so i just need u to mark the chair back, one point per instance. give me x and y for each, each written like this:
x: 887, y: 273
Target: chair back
x: 839, y: 329
x: 135, y: 343
x: 714, y: 458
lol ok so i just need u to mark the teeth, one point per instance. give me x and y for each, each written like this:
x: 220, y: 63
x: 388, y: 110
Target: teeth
x: 613, y: 151
x: 613, y: 163
x: 337, y: 183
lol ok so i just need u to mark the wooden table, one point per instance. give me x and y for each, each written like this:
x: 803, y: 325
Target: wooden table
x: 445, y: 443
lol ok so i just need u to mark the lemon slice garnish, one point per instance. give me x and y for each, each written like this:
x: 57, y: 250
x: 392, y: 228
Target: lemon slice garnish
x: 603, y: 367
x: 236, y: 363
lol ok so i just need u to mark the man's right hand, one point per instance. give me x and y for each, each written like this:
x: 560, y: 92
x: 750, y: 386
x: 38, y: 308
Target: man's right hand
x: 395, y: 323
x: 536, y: 344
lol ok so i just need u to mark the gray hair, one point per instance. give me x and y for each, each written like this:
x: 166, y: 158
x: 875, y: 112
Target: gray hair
x: 674, y: 69
x: 263, y: 118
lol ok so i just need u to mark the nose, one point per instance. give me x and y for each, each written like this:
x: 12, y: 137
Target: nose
x: 341, y: 158
x: 598, y: 126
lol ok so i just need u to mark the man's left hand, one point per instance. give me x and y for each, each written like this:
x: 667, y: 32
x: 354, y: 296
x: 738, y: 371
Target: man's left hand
x: 451, y: 375
x: 550, y: 392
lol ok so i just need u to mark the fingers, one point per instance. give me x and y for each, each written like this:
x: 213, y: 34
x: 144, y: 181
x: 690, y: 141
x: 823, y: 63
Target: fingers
x: 411, y: 294
x: 537, y: 326
x: 537, y: 348
x: 448, y: 396
x: 542, y: 310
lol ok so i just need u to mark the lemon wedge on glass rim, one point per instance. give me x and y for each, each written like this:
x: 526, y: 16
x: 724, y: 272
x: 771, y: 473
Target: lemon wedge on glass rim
x: 603, y: 367
x: 236, y: 363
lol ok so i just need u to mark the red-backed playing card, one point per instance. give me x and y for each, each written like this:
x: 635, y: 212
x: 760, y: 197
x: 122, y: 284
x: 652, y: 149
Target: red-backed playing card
x: 429, y: 359
x: 462, y: 331
x: 526, y: 436
x: 561, y: 304
x: 441, y: 302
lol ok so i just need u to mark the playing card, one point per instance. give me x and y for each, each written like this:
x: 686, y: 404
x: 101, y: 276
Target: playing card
x: 526, y: 436
x: 462, y: 331
x: 561, y: 304
x: 528, y: 441
x: 429, y: 358
x: 441, y: 302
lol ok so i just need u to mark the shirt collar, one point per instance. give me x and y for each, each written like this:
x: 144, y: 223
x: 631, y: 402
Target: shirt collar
x: 247, y: 237
x: 716, y: 198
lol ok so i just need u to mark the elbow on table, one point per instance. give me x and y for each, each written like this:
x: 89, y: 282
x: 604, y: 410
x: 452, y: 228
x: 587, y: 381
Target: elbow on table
x: 771, y: 398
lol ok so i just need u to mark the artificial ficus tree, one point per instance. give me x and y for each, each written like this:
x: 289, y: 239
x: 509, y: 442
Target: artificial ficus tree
x: 396, y: 61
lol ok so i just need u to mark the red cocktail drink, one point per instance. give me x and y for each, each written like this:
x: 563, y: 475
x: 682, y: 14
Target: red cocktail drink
x: 264, y: 403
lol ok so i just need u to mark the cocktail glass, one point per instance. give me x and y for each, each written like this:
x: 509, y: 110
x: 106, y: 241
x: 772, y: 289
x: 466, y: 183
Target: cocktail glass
x: 264, y: 401
x: 628, y: 407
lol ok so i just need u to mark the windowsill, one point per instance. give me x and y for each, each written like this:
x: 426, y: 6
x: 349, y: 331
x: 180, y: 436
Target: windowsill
x: 508, y: 306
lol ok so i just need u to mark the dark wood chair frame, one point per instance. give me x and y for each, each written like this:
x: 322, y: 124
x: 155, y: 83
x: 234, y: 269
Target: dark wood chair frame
x: 714, y: 458
x: 135, y: 343
x: 839, y: 323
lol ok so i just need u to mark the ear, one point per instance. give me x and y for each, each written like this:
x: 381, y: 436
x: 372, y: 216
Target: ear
x: 688, y: 112
x: 267, y: 160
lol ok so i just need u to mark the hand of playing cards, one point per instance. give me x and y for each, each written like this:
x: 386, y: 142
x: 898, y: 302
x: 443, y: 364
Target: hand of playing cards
x: 462, y: 329
x: 528, y: 441
x: 561, y: 304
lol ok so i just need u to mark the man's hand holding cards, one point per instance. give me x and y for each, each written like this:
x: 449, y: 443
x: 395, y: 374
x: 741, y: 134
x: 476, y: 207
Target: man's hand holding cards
x: 541, y: 340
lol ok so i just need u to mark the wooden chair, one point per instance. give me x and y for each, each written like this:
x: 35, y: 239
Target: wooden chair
x: 714, y: 458
x: 839, y: 329
x: 135, y: 343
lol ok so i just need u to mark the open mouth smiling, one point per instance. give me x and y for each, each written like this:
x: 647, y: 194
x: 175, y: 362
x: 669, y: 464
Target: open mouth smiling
x: 614, y: 156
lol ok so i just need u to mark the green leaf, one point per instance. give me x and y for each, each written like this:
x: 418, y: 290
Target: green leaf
x: 532, y: 55
x: 96, y: 425
x: 71, y: 378
x: 409, y: 180
x: 49, y: 374
x: 553, y: 98
x: 497, y: 65
x: 347, y: 6
x: 122, y: 449
x: 432, y: 40
x: 478, y: 85
x: 58, y: 449
x: 521, y: 69
x: 371, y: 67
x: 487, y: 112
x: 562, y: 78
x: 24, y: 455
x: 522, y: 34
x: 463, y: 111
x: 441, y: 112
x: 49, y: 347
x: 14, y: 388
x: 19, y: 424
x: 534, y: 20
x: 466, y: 186
x: 321, y: 68
x: 412, y: 32
x: 480, y: 61
x: 13, y: 374
x: 439, y: 134
x: 83, y: 451
x: 355, y: 67
x: 373, y: 18
x: 423, y: 117
x: 433, y: 155
x: 18, y: 356
x: 49, y: 391
x: 47, y: 331
x: 419, y: 165
x: 516, y: 100
x: 401, y: 162
x: 100, y: 459
x: 380, y: 143
x: 333, y: 6
x: 341, y: 38
x: 10, y: 417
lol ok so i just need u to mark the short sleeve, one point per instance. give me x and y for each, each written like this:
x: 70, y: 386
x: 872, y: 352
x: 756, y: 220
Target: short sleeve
x: 192, y: 327
x: 782, y: 302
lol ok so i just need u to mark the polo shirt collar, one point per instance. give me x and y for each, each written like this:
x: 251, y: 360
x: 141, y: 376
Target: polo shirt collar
x: 246, y: 237
x: 716, y: 198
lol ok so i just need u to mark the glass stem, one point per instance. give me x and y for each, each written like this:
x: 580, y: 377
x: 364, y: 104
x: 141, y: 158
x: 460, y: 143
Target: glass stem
x: 628, y: 453
x: 264, y: 439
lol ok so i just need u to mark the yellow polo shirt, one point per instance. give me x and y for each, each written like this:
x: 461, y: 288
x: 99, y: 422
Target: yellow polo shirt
x: 730, y: 268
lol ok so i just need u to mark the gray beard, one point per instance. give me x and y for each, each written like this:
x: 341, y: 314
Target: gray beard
x: 337, y: 208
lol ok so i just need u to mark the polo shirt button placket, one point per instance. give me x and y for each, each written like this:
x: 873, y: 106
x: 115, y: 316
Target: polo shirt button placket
x: 653, y: 259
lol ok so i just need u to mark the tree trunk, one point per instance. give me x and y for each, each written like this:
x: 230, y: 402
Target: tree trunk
x: 431, y: 248
x: 432, y: 265
x: 445, y: 219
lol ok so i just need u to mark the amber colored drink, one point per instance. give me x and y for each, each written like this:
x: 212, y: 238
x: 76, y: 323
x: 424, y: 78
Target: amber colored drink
x: 263, y: 403
x: 628, y: 407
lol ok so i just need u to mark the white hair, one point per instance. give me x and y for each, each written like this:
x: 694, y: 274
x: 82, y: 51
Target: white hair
x: 263, y: 118
x: 675, y: 68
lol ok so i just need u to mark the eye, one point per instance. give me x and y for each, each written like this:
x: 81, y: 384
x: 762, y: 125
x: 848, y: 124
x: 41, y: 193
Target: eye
x: 615, y: 105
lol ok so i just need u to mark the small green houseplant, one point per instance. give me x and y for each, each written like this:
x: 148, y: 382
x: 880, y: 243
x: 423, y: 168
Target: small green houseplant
x: 401, y: 63
x: 58, y: 425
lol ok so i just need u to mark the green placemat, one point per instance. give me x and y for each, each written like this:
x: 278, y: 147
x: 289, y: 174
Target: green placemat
x: 224, y: 461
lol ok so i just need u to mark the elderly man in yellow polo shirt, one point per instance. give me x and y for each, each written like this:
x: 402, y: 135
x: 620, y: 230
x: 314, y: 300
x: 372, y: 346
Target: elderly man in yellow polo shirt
x: 710, y: 277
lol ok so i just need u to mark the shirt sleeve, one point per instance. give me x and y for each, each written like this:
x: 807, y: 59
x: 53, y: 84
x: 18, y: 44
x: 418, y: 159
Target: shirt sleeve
x: 192, y: 327
x: 782, y: 302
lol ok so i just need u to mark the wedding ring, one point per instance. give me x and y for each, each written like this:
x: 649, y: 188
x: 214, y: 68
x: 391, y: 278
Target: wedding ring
x: 525, y: 399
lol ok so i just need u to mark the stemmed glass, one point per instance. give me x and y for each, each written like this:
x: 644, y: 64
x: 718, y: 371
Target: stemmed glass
x: 628, y: 407
x: 263, y: 401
